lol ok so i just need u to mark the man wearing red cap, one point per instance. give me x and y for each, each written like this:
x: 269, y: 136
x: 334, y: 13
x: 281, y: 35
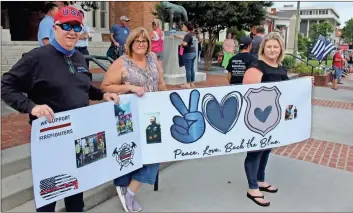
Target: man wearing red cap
x: 55, y: 78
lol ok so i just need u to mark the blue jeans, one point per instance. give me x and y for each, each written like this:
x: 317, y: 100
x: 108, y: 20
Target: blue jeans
x: 189, y: 59
x: 338, y: 73
x: 255, y: 165
x: 147, y: 174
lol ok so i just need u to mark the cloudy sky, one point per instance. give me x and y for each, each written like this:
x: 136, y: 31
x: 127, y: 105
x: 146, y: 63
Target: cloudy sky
x: 343, y: 8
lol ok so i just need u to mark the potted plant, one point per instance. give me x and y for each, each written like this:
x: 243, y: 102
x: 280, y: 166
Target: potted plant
x: 322, y: 78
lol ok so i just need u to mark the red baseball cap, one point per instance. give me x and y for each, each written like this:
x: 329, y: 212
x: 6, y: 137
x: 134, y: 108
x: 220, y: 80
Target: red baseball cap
x: 68, y: 14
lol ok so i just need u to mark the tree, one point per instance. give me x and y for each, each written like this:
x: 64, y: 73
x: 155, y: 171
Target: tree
x: 302, y: 43
x: 238, y: 33
x: 347, y: 31
x: 325, y: 29
x: 212, y: 17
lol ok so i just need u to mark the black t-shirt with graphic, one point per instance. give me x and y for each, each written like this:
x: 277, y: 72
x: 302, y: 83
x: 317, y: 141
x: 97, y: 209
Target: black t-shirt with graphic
x: 237, y: 66
x: 192, y: 41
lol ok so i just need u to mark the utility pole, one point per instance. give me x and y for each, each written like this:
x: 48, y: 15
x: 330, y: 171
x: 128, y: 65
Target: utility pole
x: 295, y: 50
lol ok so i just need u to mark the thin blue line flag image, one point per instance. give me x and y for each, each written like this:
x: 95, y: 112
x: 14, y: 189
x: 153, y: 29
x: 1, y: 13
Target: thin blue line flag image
x: 322, y: 47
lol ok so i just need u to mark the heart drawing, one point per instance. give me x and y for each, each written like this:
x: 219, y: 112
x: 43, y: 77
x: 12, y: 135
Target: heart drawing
x: 222, y: 116
x: 262, y: 115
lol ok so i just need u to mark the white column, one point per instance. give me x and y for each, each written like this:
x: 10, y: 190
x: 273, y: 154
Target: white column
x: 307, y: 29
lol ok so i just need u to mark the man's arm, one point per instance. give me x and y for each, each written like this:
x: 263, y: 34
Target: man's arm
x: 111, y: 36
x: 17, y: 81
x: 44, y: 32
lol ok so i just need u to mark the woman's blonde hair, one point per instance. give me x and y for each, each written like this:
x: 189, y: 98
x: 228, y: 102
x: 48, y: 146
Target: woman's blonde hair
x: 156, y: 22
x: 134, y: 34
x: 272, y: 36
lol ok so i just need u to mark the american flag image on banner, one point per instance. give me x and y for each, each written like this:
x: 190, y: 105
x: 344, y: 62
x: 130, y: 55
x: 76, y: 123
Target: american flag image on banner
x: 57, y: 185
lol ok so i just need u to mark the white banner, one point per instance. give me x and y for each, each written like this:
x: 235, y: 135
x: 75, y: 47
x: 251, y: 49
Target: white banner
x: 81, y: 149
x: 86, y: 147
x: 225, y: 120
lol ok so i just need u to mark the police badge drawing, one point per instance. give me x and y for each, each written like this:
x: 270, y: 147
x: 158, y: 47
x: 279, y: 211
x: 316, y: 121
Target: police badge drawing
x: 215, y: 121
x: 67, y: 153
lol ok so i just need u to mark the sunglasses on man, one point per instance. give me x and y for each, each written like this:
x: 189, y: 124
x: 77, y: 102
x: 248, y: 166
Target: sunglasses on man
x: 67, y: 27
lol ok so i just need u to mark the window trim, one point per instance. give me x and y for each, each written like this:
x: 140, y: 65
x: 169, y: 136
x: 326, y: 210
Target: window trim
x: 97, y: 15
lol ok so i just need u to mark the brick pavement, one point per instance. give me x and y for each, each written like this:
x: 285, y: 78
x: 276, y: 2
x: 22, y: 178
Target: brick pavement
x: 16, y: 131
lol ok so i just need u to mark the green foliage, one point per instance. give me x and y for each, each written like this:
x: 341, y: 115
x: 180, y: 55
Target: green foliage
x: 289, y: 62
x: 302, y: 55
x: 302, y: 43
x: 217, y: 49
x: 238, y: 33
x: 303, y: 68
x: 325, y: 29
x: 347, y: 31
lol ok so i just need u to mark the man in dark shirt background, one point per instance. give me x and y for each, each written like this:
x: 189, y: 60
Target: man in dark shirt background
x: 258, y: 38
x: 153, y: 131
x: 55, y: 79
x: 239, y: 63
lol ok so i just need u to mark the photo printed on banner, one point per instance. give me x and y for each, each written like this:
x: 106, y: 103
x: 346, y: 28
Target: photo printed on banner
x: 124, y: 155
x: 123, y: 116
x: 263, y: 111
x: 153, y: 128
x: 56, y: 186
x: 90, y: 149
x: 290, y: 113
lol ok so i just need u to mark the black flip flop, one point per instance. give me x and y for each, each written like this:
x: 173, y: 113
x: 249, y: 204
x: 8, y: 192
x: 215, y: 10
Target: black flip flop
x: 266, y: 189
x: 257, y: 202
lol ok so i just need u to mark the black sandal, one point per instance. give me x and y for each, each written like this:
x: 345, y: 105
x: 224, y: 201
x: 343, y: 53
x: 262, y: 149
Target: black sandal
x: 266, y: 189
x: 257, y: 202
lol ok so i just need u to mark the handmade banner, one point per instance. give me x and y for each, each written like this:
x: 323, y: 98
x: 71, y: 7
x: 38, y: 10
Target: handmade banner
x: 197, y: 123
x: 84, y: 148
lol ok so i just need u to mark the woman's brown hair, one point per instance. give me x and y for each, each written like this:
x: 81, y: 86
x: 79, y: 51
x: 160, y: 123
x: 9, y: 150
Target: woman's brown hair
x: 134, y: 34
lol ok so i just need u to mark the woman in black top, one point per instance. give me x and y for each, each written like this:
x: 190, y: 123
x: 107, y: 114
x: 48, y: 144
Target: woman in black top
x: 267, y: 69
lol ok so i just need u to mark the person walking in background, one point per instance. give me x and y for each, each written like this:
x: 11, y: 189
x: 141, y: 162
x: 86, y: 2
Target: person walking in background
x: 228, y: 50
x: 268, y: 68
x: 199, y: 47
x: 338, y: 62
x: 45, y: 29
x: 157, y: 39
x: 239, y: 63
x: 118, y: 35
x: 189, y: 42
x: 136, y: 72
x: 256, y: 42
x: 82, y: 44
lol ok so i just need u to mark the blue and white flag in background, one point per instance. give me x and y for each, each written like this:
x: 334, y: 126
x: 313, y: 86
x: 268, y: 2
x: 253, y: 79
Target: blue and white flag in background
x: 322, y: 47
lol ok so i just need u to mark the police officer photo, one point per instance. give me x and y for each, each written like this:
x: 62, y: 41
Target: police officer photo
x: 153, y: 131
x: 55, y: 78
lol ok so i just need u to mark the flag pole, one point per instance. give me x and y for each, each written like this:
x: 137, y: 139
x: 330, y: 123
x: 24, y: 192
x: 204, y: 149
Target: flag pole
x: 295, y: 49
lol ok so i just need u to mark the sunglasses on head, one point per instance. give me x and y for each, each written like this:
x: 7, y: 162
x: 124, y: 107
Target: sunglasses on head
x: 67, y: 27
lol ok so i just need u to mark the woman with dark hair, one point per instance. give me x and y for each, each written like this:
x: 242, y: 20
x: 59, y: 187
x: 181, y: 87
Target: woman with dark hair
x: 189, y: 43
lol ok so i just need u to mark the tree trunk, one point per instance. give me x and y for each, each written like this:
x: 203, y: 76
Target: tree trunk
x: 209, y: 50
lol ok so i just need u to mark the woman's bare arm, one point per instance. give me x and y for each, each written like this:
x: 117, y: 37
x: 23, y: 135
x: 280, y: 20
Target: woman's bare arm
x: 161, y: 83
x: 112, y: 79
x: 252, y: 76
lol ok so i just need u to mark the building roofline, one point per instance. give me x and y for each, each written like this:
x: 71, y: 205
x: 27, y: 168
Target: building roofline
x: 311, y: 8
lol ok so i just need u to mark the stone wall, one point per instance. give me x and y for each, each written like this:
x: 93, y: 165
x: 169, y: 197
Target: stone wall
x: 11, y: 52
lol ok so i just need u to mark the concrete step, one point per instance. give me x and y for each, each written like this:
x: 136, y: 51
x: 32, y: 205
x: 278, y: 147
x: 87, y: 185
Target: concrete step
x: 15, y: 160
x: 17, y: 184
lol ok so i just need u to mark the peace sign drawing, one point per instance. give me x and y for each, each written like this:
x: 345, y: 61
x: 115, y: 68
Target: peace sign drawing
x: 190, y: 126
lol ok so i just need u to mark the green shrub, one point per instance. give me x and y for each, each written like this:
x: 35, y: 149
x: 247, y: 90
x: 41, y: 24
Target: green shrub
x: 289, y: 62
x: 303, y: 68
x: 217, y: 49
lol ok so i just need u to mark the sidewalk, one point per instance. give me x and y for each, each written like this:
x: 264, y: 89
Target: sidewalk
x: 219, y: 184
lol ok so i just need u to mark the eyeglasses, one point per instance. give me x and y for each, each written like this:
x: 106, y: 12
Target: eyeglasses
x: 67, y: 27
x: 144, y: 42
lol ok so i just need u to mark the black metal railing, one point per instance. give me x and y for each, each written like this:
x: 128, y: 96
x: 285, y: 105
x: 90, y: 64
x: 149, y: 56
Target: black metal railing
x: 96, y: 59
